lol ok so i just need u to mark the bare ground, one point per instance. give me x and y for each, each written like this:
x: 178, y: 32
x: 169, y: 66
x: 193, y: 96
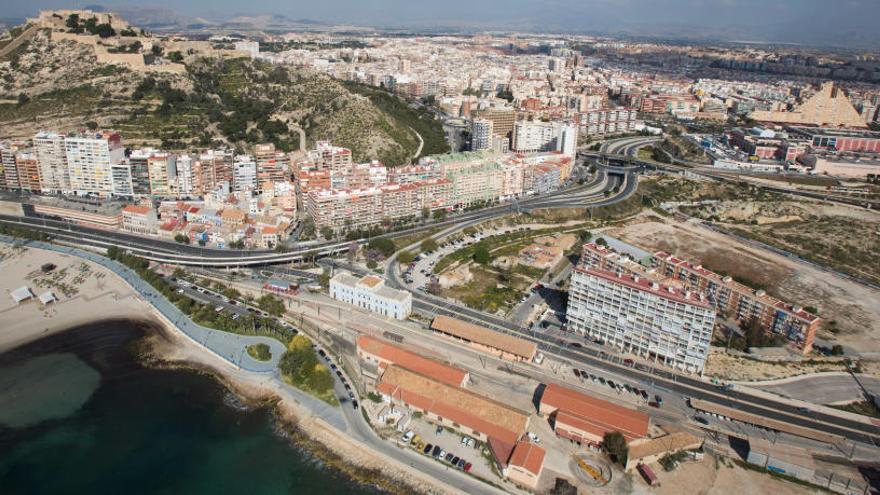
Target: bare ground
x: 854, y: 308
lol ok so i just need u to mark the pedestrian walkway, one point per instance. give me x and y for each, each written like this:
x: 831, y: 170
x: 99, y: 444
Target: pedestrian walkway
x: 229, y: 346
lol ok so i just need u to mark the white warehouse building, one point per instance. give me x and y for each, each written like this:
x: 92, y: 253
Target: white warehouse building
x: 664, y: 324
x: 370, y: 293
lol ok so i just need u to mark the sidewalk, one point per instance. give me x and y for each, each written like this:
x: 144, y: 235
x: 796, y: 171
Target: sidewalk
x: 228, y: 346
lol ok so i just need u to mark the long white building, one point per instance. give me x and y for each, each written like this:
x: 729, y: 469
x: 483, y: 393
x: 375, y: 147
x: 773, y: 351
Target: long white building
x: 370, y: 293
x: 545, y: 136
x: 661, y: 323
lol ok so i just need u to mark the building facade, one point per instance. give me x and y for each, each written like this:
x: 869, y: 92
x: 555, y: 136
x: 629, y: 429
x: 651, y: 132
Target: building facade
x: 370, y: 293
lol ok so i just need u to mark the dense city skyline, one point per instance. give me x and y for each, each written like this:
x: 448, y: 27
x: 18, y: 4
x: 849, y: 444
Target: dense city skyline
x: 809, y: 22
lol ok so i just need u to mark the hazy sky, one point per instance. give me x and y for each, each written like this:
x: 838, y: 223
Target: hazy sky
x: 822, y: 21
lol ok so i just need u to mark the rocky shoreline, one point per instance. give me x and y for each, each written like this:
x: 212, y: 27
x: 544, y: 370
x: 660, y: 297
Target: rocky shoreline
x: 161, y: 348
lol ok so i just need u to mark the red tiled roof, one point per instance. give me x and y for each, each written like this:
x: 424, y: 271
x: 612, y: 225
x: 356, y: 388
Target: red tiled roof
x: 456, y: 404
x: 593, y: 414
x: 528, y: 456
x: 385, y: 351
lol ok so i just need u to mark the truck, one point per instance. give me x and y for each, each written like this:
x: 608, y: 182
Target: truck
x: 648, y: 475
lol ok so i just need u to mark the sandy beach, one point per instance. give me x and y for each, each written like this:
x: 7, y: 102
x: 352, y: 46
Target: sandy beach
x: 87, y: 293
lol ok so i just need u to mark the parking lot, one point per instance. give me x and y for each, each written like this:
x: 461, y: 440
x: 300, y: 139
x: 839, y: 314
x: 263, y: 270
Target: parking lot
x: 449, y: 442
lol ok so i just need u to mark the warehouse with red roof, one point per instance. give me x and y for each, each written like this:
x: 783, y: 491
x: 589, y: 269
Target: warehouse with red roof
x: 585, y: 419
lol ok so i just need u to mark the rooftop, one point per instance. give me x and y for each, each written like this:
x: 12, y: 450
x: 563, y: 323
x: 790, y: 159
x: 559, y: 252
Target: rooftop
x: 646, y: 285
x: 484, y: 336
x: 456, y: 404
x: 593, y: 414
x: 528, y: 456
x: 386, y: 351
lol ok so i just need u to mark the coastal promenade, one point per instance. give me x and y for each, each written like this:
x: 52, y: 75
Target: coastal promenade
x: 228, y: 346
x: 346, y: 421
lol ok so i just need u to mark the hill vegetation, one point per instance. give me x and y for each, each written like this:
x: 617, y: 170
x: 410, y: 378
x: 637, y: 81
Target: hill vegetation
x: 47, y: 84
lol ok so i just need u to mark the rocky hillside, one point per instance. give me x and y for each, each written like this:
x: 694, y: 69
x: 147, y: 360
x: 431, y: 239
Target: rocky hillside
x: 59, y: 85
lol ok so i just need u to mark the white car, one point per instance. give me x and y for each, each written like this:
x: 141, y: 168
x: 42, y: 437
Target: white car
x: 236, y: 316
x: 407, y: 436
x: 534, y: 438
x: 180, y: 291
x: 218, y: 309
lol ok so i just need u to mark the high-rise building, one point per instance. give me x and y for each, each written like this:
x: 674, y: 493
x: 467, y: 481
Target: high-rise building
x: 545, y: 136
x: 52, y: 159
x: 163, y: 174
x: 28, y: 171
x: 502, y: 120
x: 122, y: 183
x: 186, y: 176
x: 8, y: 169
x: 139, y: 170
x: 244, y: 173
x: 215, y: 167
x: 481, y: 135
x: 89, y: 160
x: 657, y: 322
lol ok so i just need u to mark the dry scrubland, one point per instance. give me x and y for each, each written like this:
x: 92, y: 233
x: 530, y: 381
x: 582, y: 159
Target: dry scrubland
x: 215, y: 102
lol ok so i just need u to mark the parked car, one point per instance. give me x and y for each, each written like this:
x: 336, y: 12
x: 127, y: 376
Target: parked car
x: 218, y: 309
x: 534, y: 438
x: 354, y: 404
x: 449, y: 456
x: 700, y: 419
x: 577, y: 372
x: 427, y: 449
x: 628, y: 362
x: 407, y: 436
x: 461, y: 463
x: 455, y: 460
x: 435, y: 452
x: 467, y: 467
x: 644, y: 395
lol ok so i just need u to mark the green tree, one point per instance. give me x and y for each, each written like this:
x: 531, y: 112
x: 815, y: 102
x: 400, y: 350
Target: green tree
x: 320, y: 379
x: 181, y: 238
x: 429, y: 245
x: 615, y: 444
x: 440, y: 214
x: 175, y: 57
x: 837, y: 350
x: 271, y: 304
x: 382, y: 244
x: 326, y: 232
x: 325, y: 278
x: 482, y: 255
x: 23, y: 98
x: 426, y: 212
x: 406, y: 257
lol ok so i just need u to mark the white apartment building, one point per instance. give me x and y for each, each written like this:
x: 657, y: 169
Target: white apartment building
x: 89, y: 160
x: 122, y: 183
x: 52, y: 158
x: 139, y: 219
x: 186, y: 177
x: 661, y: 323
x: 244, y: 173
x: 371, y: 293
x: 162, y: 168
x: 530, y: 137
x: 481, y: 135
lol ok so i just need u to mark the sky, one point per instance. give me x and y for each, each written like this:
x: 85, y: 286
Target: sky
x: 817, y: 22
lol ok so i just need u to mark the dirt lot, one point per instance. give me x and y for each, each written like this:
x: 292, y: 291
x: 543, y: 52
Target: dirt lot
x: 709, y: 478
x: 853, y: 308
x: 737, y: 368
x: 842, y: 237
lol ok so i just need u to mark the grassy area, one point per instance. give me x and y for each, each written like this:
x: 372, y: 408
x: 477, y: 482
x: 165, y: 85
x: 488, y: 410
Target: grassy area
x: 405, y: 240
x: 865, y: 408
x: 260, y: 352
x: 490, y: 290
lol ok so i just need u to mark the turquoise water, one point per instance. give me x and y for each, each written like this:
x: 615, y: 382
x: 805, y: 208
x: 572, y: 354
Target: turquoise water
x: 82, y: 416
